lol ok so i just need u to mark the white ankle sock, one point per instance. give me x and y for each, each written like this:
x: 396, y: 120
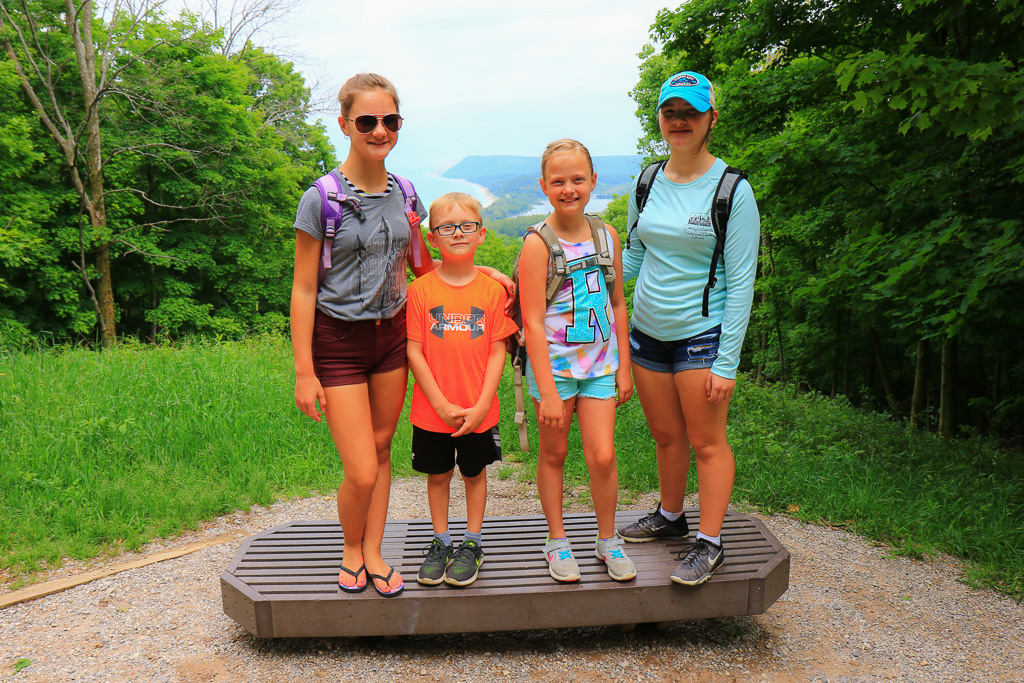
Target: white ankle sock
x: 670, y: 516
x: 714, y: 540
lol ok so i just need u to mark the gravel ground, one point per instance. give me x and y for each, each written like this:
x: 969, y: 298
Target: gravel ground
x: 853, y: 612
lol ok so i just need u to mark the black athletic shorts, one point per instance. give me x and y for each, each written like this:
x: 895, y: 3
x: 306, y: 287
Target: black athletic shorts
x: 435, y: 452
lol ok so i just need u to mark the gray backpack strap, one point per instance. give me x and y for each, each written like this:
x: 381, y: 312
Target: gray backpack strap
x: 520, y: 394
x: 721, y: 208
x: 558, y: 269
x: 603, y: 254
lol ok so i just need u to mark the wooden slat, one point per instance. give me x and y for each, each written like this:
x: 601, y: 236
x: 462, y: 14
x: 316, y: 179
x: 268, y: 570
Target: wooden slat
x: 282, y: 582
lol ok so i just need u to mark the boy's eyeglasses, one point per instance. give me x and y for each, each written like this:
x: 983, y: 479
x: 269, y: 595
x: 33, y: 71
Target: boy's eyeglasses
x: 367, y: 122
x: 448, y: 229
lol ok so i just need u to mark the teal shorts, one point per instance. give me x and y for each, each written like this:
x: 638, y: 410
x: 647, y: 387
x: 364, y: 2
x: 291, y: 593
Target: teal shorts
x: 602, y: 387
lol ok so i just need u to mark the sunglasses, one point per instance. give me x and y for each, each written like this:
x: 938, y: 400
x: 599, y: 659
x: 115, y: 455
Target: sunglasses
x: 448, y: 229
x: 368, y: 122
x: 681, y: 114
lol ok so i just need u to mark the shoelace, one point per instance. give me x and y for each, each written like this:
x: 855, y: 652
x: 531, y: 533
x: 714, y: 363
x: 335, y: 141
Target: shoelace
x: 434, y: 550
x: 465, y: 554
x: 614, y: 551
x: 699, y: 548
x: 564, y: 553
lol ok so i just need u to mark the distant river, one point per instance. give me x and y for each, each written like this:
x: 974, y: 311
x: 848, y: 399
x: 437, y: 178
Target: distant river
x: 430, y: 186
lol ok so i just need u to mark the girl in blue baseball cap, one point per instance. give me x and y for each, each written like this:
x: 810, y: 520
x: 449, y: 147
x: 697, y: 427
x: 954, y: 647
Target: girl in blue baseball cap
x: 685, y: 347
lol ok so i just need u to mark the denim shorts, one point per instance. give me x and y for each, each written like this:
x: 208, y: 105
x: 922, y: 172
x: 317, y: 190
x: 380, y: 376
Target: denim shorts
x: 602, y: 387
x: 699, y: 351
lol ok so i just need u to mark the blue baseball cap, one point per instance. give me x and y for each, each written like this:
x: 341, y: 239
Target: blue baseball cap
x: 692, y: 87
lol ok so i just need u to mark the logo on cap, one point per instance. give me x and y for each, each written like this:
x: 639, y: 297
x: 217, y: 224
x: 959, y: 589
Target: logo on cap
x: 683, y: 79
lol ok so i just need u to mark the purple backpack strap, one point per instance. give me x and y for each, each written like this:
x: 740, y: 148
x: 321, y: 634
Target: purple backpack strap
x: 409, y: 192
x: 332, y: 208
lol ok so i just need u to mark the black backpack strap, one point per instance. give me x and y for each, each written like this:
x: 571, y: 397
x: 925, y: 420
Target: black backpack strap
x: 643, y: 191
x: 721, y: 207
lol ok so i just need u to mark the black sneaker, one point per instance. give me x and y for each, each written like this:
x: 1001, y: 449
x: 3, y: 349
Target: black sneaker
x: 439, y: 556
x: 655, y: 526
x: 465, y: 564
x: 698, y: 564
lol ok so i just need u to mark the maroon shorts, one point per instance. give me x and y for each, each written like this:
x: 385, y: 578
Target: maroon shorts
x: 349, y: 352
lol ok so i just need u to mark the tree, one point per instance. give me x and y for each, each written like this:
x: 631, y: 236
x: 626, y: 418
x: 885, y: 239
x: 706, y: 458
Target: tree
x: 179, y: 157
x: 885, y: 145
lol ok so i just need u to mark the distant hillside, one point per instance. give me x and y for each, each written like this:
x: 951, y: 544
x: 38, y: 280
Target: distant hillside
x: 506, y: 174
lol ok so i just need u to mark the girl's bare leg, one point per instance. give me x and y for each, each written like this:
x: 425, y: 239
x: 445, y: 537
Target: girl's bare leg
x: 716, y: 468
x: 597, y: 429
x: 362, y: 419
x: 551, y: 452
x: 660, y: 400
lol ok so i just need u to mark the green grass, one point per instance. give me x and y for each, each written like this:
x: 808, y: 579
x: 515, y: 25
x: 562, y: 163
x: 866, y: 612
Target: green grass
x: 101, y: 451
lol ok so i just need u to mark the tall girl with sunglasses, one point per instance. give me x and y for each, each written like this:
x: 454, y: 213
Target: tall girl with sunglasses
x: 349, y: 331
x: 684, y: 364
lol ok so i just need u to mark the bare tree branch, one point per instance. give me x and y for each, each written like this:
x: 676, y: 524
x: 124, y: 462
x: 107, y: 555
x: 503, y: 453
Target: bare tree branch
x: 135, y: 249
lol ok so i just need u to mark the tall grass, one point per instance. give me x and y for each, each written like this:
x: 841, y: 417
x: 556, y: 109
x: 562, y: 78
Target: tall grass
x: 100, y: 450
x: 104, y: 450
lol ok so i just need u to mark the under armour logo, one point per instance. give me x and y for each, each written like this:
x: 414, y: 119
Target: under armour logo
x: 472, y: 322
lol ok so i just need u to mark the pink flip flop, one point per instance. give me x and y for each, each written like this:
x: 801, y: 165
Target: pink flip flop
x: 387, y: 580
x: 355, y: 575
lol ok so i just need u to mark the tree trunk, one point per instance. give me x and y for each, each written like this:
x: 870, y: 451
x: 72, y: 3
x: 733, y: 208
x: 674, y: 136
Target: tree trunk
x: 80, y: 27
x: 883, y: 373
x: 947, y: 393
x: 919, y: 401
x: 775, y: 309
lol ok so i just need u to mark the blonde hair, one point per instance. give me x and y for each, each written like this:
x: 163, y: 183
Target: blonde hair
x: 564, y: 145
x: 447, y: 202
x: 363, y: 83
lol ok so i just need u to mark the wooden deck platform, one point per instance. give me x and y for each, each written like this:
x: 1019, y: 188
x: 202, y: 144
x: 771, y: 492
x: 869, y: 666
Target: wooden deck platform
x: 282, y: 583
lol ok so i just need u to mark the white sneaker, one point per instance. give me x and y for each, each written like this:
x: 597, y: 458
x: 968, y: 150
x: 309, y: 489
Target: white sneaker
x: 561, y: 564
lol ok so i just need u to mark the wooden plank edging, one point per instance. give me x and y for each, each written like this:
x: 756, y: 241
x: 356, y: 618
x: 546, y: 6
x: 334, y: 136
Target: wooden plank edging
x: 57, y: 585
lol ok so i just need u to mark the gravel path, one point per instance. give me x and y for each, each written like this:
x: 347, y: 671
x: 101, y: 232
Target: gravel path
x: 853, y: 612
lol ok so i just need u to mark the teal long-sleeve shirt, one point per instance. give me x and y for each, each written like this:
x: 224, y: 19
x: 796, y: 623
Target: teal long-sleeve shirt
x: 672, y: 256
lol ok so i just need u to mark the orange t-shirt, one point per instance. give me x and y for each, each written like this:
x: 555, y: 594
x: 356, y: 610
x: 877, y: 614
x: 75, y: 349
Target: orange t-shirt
x: 456, y: 326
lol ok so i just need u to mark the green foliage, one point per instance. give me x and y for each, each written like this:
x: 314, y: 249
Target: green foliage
x: 884, y: 142
x: 205, y: 158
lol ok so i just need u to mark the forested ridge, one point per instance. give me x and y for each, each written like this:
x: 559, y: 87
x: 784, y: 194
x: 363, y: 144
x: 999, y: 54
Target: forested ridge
x: 150, y: 167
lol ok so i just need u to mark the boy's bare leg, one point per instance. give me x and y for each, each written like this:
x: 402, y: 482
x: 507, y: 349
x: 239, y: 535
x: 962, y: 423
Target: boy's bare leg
x: 438, y: 495
x: 476, y: 501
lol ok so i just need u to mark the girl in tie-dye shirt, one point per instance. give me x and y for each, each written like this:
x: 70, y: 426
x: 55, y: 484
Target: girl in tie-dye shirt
x: 578, y: 357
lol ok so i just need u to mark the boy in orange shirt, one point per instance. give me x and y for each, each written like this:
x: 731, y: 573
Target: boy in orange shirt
x: 457, y: 327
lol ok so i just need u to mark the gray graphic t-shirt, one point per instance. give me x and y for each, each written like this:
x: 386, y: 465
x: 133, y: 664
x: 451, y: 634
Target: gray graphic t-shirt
x: 367, y: 276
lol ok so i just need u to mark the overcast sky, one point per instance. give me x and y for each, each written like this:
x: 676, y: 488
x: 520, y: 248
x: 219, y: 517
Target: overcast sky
x: 486, y: 77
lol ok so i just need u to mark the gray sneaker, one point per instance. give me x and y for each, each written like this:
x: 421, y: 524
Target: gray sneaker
x: 439, y: 556
x: 698, y: 564
x: 653, y: 526
x: 561, y: 564
x: 620, y: 567
x: 465, y: 564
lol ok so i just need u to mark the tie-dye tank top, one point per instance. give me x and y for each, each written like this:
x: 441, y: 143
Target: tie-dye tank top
x: 579, y: 323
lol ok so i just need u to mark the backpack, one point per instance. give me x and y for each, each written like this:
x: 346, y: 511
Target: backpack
x: 332, y: 207
x: 721, y: 207
x: 515, y: 344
